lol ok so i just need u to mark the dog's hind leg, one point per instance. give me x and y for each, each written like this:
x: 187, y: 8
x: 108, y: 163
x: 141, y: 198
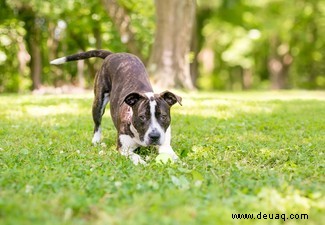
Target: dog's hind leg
x: 99, y: 105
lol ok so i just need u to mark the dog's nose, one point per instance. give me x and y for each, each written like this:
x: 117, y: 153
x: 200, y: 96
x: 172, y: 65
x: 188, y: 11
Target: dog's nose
x: 154, y: 136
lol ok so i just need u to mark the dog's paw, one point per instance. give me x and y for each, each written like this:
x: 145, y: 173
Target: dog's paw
x: 96, y: 139
x: 174, y: 157
x: 136, y: 159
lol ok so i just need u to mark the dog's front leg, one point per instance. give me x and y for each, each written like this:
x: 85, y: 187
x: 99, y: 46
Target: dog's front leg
x: 126, y: 146
x: 166, y: 148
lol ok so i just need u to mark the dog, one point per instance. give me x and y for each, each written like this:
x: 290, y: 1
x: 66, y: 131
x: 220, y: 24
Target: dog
x: 140, y: 117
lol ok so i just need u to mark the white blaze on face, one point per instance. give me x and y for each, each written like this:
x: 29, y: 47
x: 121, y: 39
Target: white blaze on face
x: 154, y: 124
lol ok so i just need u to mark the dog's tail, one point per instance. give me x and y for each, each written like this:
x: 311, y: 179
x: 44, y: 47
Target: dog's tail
x: 83, y: 55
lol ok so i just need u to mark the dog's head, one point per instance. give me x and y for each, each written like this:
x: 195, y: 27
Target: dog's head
x: 151, y: 115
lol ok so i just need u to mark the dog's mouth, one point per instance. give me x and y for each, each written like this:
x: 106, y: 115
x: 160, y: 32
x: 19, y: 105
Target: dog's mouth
x: 154, y: 142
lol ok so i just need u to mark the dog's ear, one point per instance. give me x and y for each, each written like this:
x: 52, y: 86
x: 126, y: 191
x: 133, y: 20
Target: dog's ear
x: 170, y: 98
x: 133, y: 98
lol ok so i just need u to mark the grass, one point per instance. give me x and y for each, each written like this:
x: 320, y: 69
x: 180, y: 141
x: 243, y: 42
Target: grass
x: 247, y: 152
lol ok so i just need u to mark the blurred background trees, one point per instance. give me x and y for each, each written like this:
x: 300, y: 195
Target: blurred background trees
x: 220, y: 44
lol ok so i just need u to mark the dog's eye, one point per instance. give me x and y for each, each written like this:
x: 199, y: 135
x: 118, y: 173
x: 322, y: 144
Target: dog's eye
x: 142, y: 117
x: 163, y: 117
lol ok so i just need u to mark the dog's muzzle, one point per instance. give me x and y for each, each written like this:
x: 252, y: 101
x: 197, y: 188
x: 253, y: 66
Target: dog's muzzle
x: 154, y: 137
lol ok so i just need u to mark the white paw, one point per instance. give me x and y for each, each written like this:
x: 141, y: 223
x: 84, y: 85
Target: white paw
x: 174, y: 157
x: 96, y: 138
x: 136, y: 159
x: 95, y: 141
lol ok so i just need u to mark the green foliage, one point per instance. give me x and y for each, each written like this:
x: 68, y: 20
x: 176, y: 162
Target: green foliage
x: 11, y: 40
x: 142, y: 14
x: 245, y: 35
x: 246, y: 152
x: 67, y: 27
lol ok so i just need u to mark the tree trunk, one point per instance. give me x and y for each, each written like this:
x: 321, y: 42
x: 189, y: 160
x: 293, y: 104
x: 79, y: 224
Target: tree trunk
x: 278, y: 64
x: 82, y: 46
x: 194, y: 49
x: 247, y: 78
x: 81, y: 81
x: 36, y: 64
x: 33, y: 40
x: 23, y: 56
x: 169, y: 61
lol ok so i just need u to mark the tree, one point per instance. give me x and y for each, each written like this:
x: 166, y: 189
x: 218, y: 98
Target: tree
x: 33, y: 40
x: 32, y: 24
x: 169, y: 63
x: 170, y: 54
x: 237, y: 45
x: 251, y: 50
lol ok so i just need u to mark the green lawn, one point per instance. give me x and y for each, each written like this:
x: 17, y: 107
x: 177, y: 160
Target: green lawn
x: 249, y: 152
